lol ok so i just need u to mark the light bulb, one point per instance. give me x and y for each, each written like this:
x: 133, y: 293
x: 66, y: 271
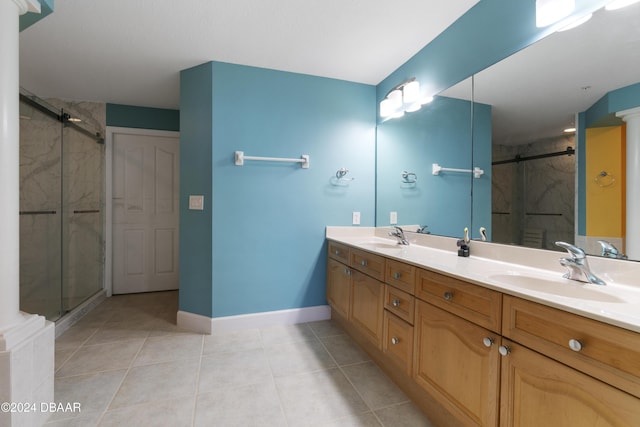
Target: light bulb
x: 411, y: 92
x: 386, y: 109
x: 551, y: 11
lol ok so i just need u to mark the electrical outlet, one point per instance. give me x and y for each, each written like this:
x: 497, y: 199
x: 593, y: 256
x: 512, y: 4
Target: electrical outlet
x: 355, y: 218
x: 393, y: 218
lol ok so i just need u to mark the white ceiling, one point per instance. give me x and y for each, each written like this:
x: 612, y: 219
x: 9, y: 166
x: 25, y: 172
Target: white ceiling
x: 131, y: 52
x: 536, y: 92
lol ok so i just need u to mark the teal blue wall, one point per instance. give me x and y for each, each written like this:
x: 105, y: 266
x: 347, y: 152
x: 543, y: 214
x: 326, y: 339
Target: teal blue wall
x: 489, y: 32
x: 131, y: 116
x: 440, y: 132
x: 266, y: 234
x: 196, y: 117
x: 259, y: 243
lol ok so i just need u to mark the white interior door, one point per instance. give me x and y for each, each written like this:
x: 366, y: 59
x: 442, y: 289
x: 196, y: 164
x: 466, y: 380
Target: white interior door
x: 145, y: 204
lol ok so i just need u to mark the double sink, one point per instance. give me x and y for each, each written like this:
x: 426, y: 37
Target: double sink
x: 618, y: 303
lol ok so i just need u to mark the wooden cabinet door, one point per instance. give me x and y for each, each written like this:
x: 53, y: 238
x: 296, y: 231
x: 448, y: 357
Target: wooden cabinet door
x: 538, y: 391
x: 367, y: 298
x: 453, y: 364
x: 338, y: 287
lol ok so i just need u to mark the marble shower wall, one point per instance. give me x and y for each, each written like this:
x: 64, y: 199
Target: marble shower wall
x: 62, y: 173
x: 534, y: 195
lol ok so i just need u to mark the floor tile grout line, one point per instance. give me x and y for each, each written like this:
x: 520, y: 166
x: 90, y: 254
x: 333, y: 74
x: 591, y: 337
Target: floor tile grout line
x: 121, y: 381
x: 73, y: 352
x: 197, y: 385
x: 348, y: 380
x: 273, y: 379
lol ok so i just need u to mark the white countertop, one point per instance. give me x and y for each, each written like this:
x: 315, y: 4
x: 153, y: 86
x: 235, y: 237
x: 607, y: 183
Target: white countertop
x: 532, y: 274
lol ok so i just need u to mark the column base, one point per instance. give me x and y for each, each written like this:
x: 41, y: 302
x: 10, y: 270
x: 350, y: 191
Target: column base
x: 26, y: 371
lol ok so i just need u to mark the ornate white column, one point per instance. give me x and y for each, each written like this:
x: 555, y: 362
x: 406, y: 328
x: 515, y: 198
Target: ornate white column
x: 632, y: 238
x: 9, y: 161
x: 26, y: 341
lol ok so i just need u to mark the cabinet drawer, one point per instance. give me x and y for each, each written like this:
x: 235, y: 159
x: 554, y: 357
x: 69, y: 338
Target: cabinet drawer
x: 472, y: 302
x: 399, y: 303
x: 339, y: 252
x: 368, y: 263
x: 606, y: 352
x: 398, y: 341
x: 401, y: 275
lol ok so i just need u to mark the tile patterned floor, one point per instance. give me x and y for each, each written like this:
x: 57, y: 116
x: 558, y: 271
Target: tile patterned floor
x: 127, y: 363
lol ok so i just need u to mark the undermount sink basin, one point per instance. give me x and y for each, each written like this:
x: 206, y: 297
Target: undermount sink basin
x: 561, y: 287
x: 380, y: 244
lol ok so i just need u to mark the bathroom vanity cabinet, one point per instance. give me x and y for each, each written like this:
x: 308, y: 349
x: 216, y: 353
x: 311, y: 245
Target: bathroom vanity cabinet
x: 473, y: 356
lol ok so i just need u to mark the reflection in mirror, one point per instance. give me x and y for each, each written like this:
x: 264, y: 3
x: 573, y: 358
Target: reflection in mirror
x: 536, y: 94
x: 407, y: 147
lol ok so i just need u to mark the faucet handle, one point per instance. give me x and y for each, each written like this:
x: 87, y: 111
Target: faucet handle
x: 574, y: 251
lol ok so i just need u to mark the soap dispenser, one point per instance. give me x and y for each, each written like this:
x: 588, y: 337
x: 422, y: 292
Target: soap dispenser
x: 463, y: 244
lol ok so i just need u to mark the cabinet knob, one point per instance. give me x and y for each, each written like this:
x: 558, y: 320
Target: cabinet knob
x: 337, y: 252
x: 575, y: 345
x: 396, y: 302
x: 504, y: 350
x: 347, y: 271
x: 396, y: 275
x: 395, y: 340
x: 488, y: 341
x: 363, y: 263
x: 448, y: 296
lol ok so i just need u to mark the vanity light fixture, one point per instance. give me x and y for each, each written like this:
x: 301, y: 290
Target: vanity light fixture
x: 405, y: 97
x: 619, y: 4
x: 551, y: 11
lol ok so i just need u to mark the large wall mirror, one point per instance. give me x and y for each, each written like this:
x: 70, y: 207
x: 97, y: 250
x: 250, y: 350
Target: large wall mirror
x: 534, y: 96
x: 441, y: 133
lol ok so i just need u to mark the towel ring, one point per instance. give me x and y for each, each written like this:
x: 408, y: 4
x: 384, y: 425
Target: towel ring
x: 409, y: 177
x: 604, y: 179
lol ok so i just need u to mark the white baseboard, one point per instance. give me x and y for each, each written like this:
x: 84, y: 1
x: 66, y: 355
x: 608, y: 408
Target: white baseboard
x: 208, y: 325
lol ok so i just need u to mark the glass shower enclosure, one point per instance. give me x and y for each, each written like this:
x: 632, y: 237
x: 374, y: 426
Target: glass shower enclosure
x: 61, y: 209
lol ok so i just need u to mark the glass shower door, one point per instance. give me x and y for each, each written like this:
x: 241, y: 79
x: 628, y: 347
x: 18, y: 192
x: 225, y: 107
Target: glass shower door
x: 82, y: 210
x: 40, y: 212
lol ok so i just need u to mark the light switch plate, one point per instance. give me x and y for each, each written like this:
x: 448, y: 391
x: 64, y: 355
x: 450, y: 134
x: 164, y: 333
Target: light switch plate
x: 196, y: 203
x: 355, y: 218
x: 393, y: 218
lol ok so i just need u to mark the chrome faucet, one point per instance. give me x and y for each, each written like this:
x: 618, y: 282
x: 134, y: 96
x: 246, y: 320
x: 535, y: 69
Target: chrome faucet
x: 423, y: 229
x: 610, y: 251
x: 578, y: 265
x: 399, y: 234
